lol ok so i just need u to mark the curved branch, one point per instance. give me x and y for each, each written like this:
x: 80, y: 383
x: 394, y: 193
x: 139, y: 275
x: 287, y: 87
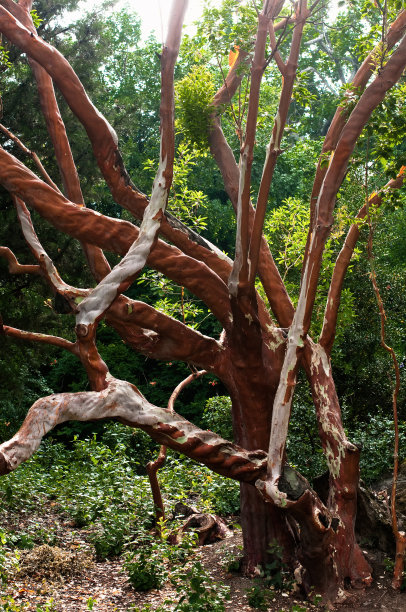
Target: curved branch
x: 20, y: 334
x: 122, y: 401
x: 56, y: 129
x: 46, y: 264
x: 162, y: 337
x: 359, y: 82
x: 103, y: 138
x: 94, y: 306
x: 16, y: 268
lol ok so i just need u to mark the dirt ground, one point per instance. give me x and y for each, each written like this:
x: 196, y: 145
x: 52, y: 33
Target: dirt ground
x: 104, y: 584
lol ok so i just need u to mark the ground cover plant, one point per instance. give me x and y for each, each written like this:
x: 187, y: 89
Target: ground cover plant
x: 263, y: 344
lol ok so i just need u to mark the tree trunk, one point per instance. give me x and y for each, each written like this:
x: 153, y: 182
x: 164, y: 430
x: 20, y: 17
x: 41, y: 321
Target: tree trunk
x: 252, y: 391
x: 262, y: 525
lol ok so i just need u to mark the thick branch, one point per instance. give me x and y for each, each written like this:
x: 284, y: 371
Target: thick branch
x: 343, y: 463
x: 162, y: 337
x: 56, y: 129
x: 369, y: 100
x: 122, y: 401
x: 372, y: 96
x: 122, y: 276
x: 113, y: 235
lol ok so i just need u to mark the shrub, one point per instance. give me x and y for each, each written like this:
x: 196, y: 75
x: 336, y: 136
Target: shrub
x: 217, y: 416
x: 197, y: 591
x: 146, y: 569
x: 376, y: 439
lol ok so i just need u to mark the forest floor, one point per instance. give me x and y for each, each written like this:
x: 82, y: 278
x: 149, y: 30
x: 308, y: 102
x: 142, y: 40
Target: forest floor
x: 103, y: 586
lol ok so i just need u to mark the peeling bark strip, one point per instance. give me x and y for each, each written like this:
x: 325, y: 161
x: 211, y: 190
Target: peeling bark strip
x: 120, y: 278
x: 343, y: 463
x: 122, y: 401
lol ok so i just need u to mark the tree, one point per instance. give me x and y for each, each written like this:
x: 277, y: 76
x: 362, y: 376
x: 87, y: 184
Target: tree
x: 260, y: 350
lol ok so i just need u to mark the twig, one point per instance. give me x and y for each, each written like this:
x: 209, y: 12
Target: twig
x: 154, y: 466
x: 31, y: 154
x: 400, y: 536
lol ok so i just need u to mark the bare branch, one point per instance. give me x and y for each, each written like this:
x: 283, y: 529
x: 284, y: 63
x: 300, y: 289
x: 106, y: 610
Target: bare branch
x: 46, y: 264
x: 20, y: 334
x: 112, y: 234
x: 162, y: 337
x: 122, y: 401
x: 102, y: 136
x: 268, y: 272
x: 359, y: 82
x: 274, y: 146
x: 16, y: 268
x: 31, y: 154
x: 274, y: 48
x: 400, y: 536
x: 343, y: 261
x: 239, y: 275
x: 93, y: 307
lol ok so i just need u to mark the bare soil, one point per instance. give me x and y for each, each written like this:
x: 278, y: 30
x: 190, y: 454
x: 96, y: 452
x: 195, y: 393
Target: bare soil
x: 105, y: 583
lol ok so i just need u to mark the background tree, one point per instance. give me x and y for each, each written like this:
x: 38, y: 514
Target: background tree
x: 260, y: 350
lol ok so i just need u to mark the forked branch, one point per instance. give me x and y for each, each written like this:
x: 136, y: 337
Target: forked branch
x: 274, y: 147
